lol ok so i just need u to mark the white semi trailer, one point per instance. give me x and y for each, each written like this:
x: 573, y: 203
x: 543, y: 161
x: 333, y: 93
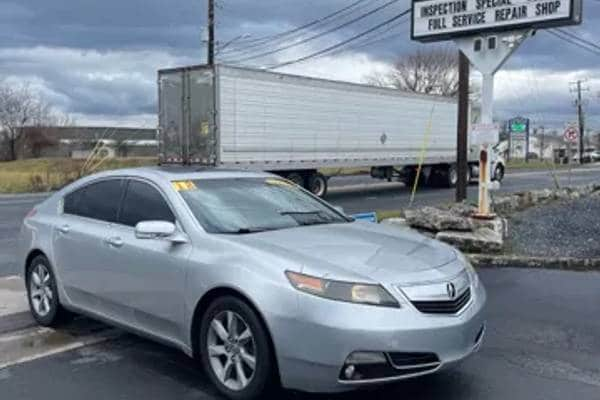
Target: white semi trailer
x: 296, y: 126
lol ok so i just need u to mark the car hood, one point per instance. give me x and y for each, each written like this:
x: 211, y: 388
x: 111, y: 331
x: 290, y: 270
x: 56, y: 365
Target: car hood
x: 371, y: 251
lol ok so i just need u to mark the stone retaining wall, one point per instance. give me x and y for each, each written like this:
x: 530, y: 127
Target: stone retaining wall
x: 454, y: 224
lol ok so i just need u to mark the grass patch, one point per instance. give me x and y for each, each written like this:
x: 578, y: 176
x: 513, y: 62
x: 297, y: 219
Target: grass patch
x: 45, y: 174
x: 381, y: 215
x: 516, y: 165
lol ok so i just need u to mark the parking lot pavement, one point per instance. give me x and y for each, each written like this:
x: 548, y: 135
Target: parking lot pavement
x: 542, y: 343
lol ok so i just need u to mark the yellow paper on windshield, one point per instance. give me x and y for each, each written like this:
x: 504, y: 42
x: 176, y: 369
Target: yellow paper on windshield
x: 279, y: 182
x: 183, y: 186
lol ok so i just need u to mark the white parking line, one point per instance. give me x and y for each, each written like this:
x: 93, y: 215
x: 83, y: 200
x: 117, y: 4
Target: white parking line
x: 36, y: 343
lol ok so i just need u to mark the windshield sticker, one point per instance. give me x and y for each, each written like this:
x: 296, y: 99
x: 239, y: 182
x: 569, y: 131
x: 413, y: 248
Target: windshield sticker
x: 279, y: 182
x: 183, y: 186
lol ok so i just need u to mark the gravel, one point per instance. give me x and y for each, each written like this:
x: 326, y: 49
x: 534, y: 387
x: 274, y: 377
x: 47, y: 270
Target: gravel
x: 565, y: 229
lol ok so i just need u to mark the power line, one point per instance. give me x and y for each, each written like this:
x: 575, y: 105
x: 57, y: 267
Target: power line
x: 579, y: 38
x: 243, y: 49
x: 327, y: 32
x: 370, y: 40
x: 573, y: 42
x: 262, y: 40
x: 343, y: 43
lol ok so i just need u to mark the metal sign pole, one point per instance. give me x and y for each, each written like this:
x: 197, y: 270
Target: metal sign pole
x: 488, y: 32
x: 485, y: 159
x: 488, y: 54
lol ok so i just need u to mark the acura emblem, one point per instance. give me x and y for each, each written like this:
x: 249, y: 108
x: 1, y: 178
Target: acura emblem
x: 451, y: 290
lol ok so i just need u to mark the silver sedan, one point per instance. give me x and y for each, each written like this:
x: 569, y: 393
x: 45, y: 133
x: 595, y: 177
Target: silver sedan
x: 266, y: 284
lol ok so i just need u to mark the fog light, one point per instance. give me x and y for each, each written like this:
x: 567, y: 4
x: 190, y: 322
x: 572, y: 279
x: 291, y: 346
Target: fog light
x: 349, y: 371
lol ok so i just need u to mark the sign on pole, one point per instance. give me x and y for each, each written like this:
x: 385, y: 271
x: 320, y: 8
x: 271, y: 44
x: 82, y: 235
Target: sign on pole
x: 434, y: 20
x: 488, y: 32
x: 518, y: 126
x: 571, y: 134
x: 484, y: 134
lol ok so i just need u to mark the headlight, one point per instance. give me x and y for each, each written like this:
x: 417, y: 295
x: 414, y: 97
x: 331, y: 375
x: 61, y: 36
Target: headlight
x: 342, y: 291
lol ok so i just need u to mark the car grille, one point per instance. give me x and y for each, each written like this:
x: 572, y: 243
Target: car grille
x: 444, y: 307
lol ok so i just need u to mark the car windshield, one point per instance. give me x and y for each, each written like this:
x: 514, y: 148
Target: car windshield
x: 248, y: 205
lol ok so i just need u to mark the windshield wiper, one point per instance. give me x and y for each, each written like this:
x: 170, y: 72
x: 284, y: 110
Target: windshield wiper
x: 245, y: 231
x: 310, y: 212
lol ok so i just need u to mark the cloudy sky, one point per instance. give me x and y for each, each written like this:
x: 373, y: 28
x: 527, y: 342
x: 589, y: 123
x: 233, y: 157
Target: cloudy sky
x: 97, y: 59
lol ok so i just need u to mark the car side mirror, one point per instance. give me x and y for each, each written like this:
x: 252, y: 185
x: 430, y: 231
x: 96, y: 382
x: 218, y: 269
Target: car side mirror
x: 159, y: 230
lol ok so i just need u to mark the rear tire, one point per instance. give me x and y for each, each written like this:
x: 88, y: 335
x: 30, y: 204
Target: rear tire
x: 240, y: 362
x: 317, y: 184
x: 42, y: 294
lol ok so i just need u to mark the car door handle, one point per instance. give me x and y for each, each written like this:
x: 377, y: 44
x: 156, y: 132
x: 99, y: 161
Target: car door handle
x: 115, y: 242
x: 64, y: 229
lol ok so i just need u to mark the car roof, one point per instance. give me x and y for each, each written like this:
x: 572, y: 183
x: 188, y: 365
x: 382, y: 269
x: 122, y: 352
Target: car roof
x: 173, y: 173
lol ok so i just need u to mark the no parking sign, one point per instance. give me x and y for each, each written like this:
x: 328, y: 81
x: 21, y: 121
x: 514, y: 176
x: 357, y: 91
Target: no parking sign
x: 571, y: 135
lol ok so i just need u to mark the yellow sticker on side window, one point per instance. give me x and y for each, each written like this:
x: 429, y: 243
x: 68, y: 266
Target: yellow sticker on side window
x: 182, y: 186
x: 279, y: 182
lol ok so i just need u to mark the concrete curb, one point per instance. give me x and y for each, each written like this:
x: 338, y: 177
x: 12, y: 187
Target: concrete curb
x: 513, y: 261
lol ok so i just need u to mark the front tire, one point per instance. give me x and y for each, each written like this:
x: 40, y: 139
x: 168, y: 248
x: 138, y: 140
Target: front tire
x: 42, y: 294
x: 499, y: 173
x: 235, y: 350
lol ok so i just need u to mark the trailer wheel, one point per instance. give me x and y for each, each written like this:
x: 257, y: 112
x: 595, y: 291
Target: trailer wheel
x: 296, y: 178
x: 499, y: 173
x: 451, y: 176
x: 317, y: 184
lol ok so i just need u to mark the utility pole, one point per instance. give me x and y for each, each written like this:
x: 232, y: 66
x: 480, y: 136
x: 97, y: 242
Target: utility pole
x: 462, y: 147
x: 580, y: 116
x: 210, y: 59
x: 542, y: 144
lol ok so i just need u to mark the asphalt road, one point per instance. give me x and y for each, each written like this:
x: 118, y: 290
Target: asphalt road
x: 361, y: 193
x: 543, y: 343
x: 354, y: 193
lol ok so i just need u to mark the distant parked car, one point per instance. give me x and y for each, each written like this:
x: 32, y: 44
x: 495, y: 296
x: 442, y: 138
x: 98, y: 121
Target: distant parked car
x: 588, y: 157
x: 262, y: 281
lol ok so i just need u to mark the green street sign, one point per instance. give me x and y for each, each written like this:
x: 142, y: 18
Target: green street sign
x: 518, y: 127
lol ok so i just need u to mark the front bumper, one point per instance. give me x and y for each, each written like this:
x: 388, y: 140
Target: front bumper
x: 313, y: 347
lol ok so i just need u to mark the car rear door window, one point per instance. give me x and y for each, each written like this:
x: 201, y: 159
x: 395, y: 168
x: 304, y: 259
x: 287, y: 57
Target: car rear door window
x: 98, y: 200
x: 143, y: 202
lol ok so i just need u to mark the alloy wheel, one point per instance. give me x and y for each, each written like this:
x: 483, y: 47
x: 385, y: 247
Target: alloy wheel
x: 40, y: 290
x: 231, y: 350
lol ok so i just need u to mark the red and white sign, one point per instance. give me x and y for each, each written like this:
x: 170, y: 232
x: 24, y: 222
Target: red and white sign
x: 571, y: 135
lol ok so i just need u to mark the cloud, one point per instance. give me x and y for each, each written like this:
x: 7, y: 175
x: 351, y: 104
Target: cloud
x: 117, y: 83
x: 98, y: 59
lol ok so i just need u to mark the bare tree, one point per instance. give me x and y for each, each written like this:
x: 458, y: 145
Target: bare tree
x: 431, y: 71
x: 20, y: 108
